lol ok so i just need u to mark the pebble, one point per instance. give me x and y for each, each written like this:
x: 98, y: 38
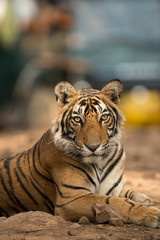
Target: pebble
x: 72, y: 232
x: 84, y: 220
x: 75, y: 225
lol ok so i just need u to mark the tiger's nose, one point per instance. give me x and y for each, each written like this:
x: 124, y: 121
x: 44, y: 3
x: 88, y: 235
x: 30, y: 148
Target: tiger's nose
x: 92, y: 147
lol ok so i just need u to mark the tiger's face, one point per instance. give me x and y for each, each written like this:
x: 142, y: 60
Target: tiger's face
x: 89, y: 121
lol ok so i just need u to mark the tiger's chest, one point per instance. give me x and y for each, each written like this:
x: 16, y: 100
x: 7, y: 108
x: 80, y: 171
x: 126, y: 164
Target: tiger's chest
x: 109, y: 181
x: 111, y: 186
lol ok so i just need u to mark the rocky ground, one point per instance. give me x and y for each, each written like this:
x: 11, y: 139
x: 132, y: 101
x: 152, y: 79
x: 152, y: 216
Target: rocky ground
x: 38, y: 226
x: 142, y: 174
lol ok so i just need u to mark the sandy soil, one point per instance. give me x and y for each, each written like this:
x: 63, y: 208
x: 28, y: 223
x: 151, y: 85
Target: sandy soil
x: 142, y: 173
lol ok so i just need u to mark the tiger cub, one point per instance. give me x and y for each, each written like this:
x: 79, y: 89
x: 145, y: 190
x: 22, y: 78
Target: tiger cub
x: 77, y: 162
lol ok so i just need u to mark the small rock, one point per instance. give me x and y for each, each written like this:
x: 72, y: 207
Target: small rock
x: 75, y: 225
x: 84, y: 220
x: 72, y: 232
x: 105, y: 213
x: 102, y: 215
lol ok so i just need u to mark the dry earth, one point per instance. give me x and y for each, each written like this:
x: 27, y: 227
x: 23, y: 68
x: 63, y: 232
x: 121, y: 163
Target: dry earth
x: 142, y: 173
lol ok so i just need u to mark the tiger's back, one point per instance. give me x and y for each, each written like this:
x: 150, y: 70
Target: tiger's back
x: 25, y: 183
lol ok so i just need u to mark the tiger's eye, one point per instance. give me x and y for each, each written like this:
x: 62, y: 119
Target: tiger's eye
x: 77, y: 119
x: 104, y: 117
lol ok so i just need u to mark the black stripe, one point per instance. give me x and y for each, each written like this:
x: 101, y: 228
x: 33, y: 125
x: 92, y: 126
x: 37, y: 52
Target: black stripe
x: 68, y: 117
x: 62, y: 124
x: 19, y: 167
x: 110, y: 168
x: 126, y: 194
x: 98, y: 102
x: 12, y: 197
x: 57, y: 129
x: 117, y: 115
x: 67, y: 128
x: 92, y: 103
x: 112, y: 124
x: 34, y: 165
x: 132, y: 204
x: 83, y: 102
x: 75, y: 187
x: 114, y: 185
x: 61, y: 205
x: 94, y: 108
x: 98, y: 97
x: 114, y: 110
x: 60, y: 193
x: 43, y: 195
x: 95, y: 169
x: 87, y: 175
x: 51, y: 210
x: 107, y: 200
x: 39, y: 155
x: 24, y: 188
x: 62, y: 120
x: 6, y: 190
x: 7, y: 167
x: 111, y: 158
x: 31, y: 171
x: 20, y: 204
x: 3, y: 213
x: 105, y: 110
x: 74, y: 112
x: 95, y: 102
x: 86, y: 109
x: 70, y: 128
x: 131, y: 194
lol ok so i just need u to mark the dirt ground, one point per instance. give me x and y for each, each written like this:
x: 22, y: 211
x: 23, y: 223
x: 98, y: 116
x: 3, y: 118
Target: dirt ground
x: 142, y: 173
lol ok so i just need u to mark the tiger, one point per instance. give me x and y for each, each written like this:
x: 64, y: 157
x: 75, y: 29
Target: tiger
x: 77, y: 162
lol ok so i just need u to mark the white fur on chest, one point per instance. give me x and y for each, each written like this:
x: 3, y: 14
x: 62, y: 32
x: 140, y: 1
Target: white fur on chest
x: 112, y: 178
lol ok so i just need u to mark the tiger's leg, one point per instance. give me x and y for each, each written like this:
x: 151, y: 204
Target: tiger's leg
x: 133, y: 212
x: 140, y: 198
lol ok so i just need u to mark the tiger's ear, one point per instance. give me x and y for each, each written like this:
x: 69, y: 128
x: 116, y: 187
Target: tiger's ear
x: 64, y: 92
x: 113, y: 90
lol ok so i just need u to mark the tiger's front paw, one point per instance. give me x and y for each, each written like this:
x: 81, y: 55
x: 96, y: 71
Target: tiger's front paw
x: 149, y: 217
x: 155, y: 204
x: 152, y: 221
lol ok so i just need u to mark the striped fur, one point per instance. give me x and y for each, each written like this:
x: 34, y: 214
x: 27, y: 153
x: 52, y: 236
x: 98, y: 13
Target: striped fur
x: 78, y: 161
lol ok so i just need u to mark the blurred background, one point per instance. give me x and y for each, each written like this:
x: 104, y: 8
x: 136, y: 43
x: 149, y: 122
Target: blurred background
x: 85, y: 42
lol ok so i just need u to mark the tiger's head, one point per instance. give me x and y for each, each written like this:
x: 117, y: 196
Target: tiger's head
x: 89, y: 120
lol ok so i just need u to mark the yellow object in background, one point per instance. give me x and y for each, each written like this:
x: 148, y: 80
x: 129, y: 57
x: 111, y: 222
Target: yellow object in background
x: 8, y: 31
x: 141, y: 106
